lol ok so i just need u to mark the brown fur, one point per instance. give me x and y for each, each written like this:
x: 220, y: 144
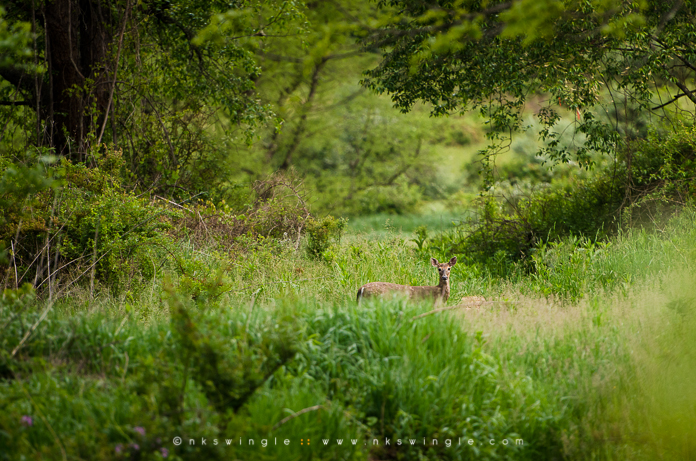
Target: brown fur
x: 438, y: 293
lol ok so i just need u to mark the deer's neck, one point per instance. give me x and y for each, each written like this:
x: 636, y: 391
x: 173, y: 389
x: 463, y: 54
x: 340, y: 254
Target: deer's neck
x: 444, y: 289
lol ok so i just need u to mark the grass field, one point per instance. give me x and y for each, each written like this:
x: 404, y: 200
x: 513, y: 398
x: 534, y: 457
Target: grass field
x: 590, y: 356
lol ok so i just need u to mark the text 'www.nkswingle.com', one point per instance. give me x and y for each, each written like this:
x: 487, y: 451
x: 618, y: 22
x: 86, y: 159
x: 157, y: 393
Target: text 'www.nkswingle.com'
x: 386, y: 442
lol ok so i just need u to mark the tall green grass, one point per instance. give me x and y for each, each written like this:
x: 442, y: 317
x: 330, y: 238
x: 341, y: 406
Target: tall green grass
x: 376, y: 372
x: 589, y: 356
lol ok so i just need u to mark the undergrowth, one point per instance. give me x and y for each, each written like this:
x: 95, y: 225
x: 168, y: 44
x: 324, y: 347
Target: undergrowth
x: 232, y: 349
x: 645, y: 183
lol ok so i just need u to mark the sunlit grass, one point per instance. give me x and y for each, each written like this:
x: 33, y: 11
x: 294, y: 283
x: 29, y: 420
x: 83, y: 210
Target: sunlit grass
x: 605, y: 371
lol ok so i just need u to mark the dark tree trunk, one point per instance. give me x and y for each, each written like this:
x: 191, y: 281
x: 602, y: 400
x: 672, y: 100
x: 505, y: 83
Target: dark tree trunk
x: 79, y: 37
x: 75, y: 94
x: 62, y: 21
x: 95, y: 38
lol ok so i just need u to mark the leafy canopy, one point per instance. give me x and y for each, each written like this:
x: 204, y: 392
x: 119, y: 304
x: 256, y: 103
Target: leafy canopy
x: 494, y: 56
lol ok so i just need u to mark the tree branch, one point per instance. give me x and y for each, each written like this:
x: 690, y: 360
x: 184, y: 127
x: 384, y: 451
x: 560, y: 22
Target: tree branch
x: 394, y: 34
x: 306, y: 107
x: 669, y: 102
x: 15, y: 75
x: 687, y: 92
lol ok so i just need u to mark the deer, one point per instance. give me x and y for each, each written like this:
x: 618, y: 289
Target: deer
x: 438, y: 293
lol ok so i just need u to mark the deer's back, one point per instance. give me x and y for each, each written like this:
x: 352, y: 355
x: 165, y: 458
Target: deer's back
x: 381, y: 288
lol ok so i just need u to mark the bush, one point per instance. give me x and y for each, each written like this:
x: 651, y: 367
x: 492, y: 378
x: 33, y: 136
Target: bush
x: 104, y: 225
x: 73, y: 218
x: 658, y: 173
x: 651, y: 177
x: 90, y: 371
x: 276, y: 208
x: 20, y: 184
x: 321, y: 233
x: 81, y: 223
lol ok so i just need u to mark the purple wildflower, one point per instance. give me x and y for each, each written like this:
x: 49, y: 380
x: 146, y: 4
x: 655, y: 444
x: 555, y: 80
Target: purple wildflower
x: 27, y: 420
x: 135, y: 446
x: 140, y: 430
x: 119, y: 448
x: 164, y: 452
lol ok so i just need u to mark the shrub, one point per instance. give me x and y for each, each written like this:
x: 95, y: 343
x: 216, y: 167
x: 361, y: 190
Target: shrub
x: 106, y: 226
x: 139, y: 385
x: 421, y: 236
x: 322, y: 233
x: 229, y: 372
x: 20, y: 185
x: 276, y: 208
x: 651, y: 177
x: 73, y: 218
x: 658, y: 173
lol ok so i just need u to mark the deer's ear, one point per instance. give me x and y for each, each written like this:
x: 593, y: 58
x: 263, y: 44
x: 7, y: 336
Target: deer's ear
x: 453, y: 261
x: 434, y: 262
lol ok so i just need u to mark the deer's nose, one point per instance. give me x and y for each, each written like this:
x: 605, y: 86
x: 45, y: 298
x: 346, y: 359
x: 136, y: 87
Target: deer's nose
x: 444, y: 277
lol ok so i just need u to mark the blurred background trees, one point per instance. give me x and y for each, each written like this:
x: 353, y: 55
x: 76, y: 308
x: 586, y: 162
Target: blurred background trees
x: 394, y: 107
x: 134, y: 75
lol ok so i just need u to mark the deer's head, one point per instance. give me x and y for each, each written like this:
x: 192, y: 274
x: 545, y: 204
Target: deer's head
x: 443, y: 268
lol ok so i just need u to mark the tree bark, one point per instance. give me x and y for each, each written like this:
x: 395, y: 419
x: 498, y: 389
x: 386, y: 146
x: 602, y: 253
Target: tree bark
x: 62, y: 21
x: 79, y: 34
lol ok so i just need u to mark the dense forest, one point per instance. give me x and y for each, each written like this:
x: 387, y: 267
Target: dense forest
x: 193, y: 192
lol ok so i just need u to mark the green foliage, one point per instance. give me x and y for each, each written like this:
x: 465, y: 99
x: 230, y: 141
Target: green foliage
x: 659, y: 172
x: 496, y: 58
x: 20, y: 185
x: 13, y: 304
x: 107, y: 226
x: 268, y: 211
x: 421, y: 236
x: 398, y: 198
x: 506, y: 231
x: 15, y: 42
x: 524, y: 169
x: 215, y: 324
x: 384, y: 224
x: 322, y: 233
x: 145, y: 404
x: 67, y: 215
x: 561, y: 268
x: 230, y: 367
x: 409, y: 380
x: 93, y: 229
x: 224, y: 26
x: 180, y: 85
x: 143, y: 370
x: 357, y: 154
x: 183, y: 109
x: 650, y: 178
